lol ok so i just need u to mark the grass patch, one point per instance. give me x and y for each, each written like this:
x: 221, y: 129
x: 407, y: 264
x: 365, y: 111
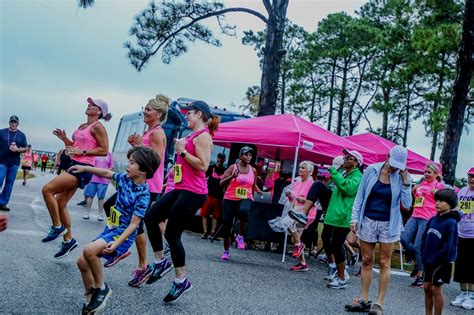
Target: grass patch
x: 19, y: 175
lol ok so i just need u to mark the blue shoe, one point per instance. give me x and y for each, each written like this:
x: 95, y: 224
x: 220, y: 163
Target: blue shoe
x: 66, y: 248
x: 159, y: 270
x: 54, y: 233
x: 177, y: 290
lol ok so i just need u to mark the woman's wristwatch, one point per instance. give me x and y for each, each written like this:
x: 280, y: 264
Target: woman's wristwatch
x: 183, y: 154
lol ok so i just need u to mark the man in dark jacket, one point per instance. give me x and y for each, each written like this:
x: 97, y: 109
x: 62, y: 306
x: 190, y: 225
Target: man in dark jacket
x: 439, y: 245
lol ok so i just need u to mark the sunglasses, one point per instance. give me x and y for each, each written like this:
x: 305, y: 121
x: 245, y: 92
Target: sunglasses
x: 349, y: 158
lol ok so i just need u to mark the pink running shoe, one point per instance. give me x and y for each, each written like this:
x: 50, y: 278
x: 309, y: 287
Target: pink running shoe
x: 240, y: 242
x: 226, y: 255
x: 297, y: 250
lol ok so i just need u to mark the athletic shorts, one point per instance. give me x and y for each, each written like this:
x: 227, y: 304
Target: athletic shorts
x: 464, y: 266
x: 372, y: 231
x: 95, y: 188
x: 27, y: 168
x: 111, y: 235
x: 213, y: 206
x: 438, y: 275
x: 82, y: 178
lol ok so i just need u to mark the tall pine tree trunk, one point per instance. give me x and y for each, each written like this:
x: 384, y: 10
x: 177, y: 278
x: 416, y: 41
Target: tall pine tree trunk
x: 386, y: 100
x: 331, y: 95
x: 273, y: 55
x: 454, y: 124
x: 342, y: 100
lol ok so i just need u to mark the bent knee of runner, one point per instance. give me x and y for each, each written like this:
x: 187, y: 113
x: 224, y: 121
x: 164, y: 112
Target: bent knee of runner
x: 82, y: 263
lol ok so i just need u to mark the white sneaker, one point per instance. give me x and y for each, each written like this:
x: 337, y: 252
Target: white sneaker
x: 100, y: 217
x: 338, y: 284
x: 460, y: 298
x: 468, y: 303
x: 85, y: 217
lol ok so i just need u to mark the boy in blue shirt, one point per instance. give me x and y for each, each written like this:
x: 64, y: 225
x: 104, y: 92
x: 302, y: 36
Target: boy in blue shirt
x: 118, y: 236
x: 439, y: 245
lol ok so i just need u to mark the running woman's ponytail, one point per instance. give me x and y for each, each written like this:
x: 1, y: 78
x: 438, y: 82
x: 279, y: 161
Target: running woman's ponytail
x: 213, y: 124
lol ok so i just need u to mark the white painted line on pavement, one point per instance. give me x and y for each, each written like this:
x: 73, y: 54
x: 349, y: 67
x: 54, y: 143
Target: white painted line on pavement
x: 23, y: 232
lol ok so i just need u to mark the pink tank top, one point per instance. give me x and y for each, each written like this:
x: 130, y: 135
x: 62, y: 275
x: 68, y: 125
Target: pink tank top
x: 187, y: 177
x: 27, y: 159
x: 240, y: 187
x: 84, y: 140
x: 155, y: 184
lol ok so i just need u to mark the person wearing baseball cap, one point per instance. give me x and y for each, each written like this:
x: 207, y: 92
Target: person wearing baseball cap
x: 376, y: 218
x: 464, y: 271
x: 88, y: 141
x: 12, y: 144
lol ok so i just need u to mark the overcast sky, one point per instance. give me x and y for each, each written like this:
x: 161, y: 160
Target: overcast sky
x: 54, y: 55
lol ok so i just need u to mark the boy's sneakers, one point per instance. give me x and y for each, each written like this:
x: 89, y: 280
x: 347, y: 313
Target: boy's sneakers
x: 66, y: 248
x: 99, y: 299
x: 297, y: 250
x: 159, y: 270
x: 460, y: 298
x: 331, y: 273
x: 338, y: 284
x: 54, y: 233
x: 226, y: 255
x: 300, y: 267
x: 298, y: 216
x: 418, y: 283
x: 177, y: 290
x: 114, y: 260
x: 205, y: 236
x: 240, y: 242
x: 469, y: 302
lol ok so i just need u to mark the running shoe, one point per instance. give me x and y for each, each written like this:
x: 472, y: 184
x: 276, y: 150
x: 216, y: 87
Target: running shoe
x: 332, y: 273
x: 300, y: 267
x: 298, y: 250
x: 159, y: 270
x: 468, y: 303
x: 99, y: 299
x: 414, y: 272
x: 226, y: 255
x: 298, y: 216
x: 323, y: 259
x: 54, y: 233
x: 205, y: 236
x: 4, y: 208
x: 337, y: 284
x: 114, y: 260
x: 240, y: 242
x: 354, y: 259
x: 66, y: 248
x: 460, y: 298
x: 177, y: 290
x: 85, y: 217
x: 376, y: 309
x: 358, y: 305
x: 82, y: 203
x: 140, y: 276
x: 100, y: 217
x: 418, y: 283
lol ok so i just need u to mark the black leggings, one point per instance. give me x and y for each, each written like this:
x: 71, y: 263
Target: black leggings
x: 111, y: 201
x: 234, y: 209
x: 333, y: 241
x: 310, y: 234
x: 179, y: 207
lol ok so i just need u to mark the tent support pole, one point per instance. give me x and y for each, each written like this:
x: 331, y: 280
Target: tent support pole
x: 293, y: 175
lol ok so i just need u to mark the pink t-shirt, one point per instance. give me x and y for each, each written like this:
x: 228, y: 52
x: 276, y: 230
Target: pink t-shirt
x: 106, y: 162
x: 301, y: 190
x: 466, y: 206
x: 425, y: 205
x: 155, y: 184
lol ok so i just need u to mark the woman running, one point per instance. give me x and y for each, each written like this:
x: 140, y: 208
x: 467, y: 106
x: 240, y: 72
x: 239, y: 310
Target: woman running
x: 189, y: 194
x: 154, y: 115
x: 27, y: 163
x: 241, y: 179
x: 88, y: 141
x: 424, y: 209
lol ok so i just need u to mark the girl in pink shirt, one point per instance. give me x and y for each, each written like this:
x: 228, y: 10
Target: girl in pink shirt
x: 424, y: 208
x: 88, y: 141
x: 27, y: 163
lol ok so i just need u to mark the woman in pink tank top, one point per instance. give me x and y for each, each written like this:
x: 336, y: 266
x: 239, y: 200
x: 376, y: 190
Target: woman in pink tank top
x: 241, y: 179
x: 154, y: 115
x: 26, y: 163
x: 88, y: 141
x: 180, y: 205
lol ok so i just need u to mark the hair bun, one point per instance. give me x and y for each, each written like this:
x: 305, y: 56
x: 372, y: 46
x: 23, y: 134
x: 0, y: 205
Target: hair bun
x: 107, y: 116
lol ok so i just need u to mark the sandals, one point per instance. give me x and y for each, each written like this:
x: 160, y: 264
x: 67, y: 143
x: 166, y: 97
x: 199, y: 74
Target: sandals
x: 358, y: 306
x: 376, y: 309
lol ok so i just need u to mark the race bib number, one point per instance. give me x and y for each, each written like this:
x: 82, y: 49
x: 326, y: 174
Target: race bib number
x: 419, y: 201
x: 466, y: 206
x: 113, y: 221
x: 178, y: 173
x: 241, y: 193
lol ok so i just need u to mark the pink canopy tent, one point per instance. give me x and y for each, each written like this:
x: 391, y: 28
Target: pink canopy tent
x: 415, y: 164
x: 288, y: 137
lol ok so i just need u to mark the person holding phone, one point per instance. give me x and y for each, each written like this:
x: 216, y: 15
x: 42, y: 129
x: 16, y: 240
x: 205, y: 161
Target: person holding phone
x: 376, y: 218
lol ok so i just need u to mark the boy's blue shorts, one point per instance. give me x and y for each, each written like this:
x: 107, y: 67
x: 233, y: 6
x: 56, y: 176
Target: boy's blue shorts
x: 110, y: 235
